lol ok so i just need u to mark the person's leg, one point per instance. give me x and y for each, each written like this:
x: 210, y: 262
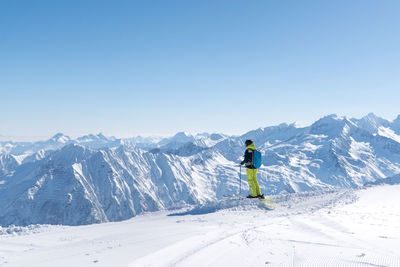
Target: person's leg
x: 249, y: 174
x: 253, y: 183
x: 256, y: 185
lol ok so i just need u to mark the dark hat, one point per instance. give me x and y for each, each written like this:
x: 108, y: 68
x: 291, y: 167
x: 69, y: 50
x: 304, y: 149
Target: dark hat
x: 248, y: 142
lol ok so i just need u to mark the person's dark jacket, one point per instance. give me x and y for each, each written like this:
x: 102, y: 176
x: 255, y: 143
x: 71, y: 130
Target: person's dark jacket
x: 248, y: 157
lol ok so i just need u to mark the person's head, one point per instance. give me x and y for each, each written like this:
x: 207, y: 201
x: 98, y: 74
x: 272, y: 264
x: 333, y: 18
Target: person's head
x: 248, y: 142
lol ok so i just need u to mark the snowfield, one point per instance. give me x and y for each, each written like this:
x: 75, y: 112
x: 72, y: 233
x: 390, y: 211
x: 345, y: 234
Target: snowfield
x: 343, y: 227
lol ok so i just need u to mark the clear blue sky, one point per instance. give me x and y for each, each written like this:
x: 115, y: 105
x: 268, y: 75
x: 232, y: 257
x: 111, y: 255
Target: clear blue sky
x: 129, y: 68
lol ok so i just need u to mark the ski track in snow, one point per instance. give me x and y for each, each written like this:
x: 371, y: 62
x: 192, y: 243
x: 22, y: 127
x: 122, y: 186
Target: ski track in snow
x: 286, y: 206
x: 319, y: 228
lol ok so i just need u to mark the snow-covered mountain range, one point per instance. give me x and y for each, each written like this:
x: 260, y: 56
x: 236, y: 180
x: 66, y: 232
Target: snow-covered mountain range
x: 95, y: 178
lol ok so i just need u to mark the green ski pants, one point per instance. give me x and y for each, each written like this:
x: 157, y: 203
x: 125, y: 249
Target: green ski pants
x: 253, y: 183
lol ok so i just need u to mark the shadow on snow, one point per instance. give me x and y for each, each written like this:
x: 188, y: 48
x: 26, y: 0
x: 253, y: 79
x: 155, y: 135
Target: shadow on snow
x: 224, y: 204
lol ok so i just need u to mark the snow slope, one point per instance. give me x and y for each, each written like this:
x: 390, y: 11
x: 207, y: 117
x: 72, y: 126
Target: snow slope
x: 320, y: 228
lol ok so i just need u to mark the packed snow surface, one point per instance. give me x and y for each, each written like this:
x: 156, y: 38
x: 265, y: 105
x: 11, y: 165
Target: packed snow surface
x: 343, y: 227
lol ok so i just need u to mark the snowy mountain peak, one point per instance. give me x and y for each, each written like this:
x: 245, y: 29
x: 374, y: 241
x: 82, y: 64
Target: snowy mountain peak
x: 296, y: 125
x: 177, y: 139
x: 373, y: 119
x: 372, y: 123
x: 60, y: 138
x: 92, y: 137
x: 103, y: 137
x: 284, y: 125
x: 371, y: 116
x: 182, y: 135
x: 216, y: 136
x: 396, y: 122
x: 330, y: 125
x: 99, y: 141
x: 330, y: 117
x: 71, y: 153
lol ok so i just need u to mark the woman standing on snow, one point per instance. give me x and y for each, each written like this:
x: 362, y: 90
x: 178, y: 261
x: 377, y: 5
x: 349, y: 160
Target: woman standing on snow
x: 251, y: 170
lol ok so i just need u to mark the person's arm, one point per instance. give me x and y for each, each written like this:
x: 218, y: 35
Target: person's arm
x: 246, y: 158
